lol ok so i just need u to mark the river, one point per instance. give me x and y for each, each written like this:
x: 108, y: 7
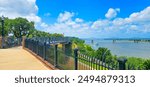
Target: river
x: 123, y: 48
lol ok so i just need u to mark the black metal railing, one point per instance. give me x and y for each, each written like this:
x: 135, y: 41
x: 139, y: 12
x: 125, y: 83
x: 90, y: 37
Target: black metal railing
x: 84, y: 62
x: 58, y: 52
x: 8, y: 42
x: 65, y: 61
x: 49, y: 50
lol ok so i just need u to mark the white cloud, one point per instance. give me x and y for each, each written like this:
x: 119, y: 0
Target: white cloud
x: 119, y: 21
x: 140, y: 20
x: 47, y: 14
x: 112, y: 13
x: 20, y: 8
x: 65, y: 16
x: 133, y: 27
x: 69, y: 26
x: 100, y: 24
x: 142, y: 16
x: 33, y: 17
x: 44, y: 25
x: 78, y: 20
x: 136, y: 24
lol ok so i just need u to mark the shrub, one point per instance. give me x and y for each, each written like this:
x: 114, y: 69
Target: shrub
x: 102, y: 52
x: 146, y: 65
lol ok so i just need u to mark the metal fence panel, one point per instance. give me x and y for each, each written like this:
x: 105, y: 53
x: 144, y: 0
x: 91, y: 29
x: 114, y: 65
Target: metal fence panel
x: 65, y: 61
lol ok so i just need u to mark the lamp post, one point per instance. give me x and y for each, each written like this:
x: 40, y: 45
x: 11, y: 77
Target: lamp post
x: 2, y: 31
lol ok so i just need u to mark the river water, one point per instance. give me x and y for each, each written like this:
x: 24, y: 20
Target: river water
x: 123, y: 48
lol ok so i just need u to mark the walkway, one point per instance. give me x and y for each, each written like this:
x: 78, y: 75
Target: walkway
x: 19, y: 59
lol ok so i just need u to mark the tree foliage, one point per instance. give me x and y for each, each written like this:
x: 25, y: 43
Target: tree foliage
x: 146, y: 65
x: 102, y: 52
x: 19, y: 27
x: 6, y: 26
x: 84, y: 48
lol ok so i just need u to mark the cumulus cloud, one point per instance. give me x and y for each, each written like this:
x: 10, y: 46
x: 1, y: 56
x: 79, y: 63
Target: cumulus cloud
x: 142, y: 16
x: 137, y: 24
x: 100, y: 24
x: 20, y: 8
x: 44, y: 25
x: 78, y: 20
x: 70, y: 27
x: 65, y: 16
x: 112, y: 13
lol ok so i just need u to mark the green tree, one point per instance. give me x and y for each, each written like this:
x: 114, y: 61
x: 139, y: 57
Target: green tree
x: 21, y: 27
x: 103, y: 53
x: 6, y: 26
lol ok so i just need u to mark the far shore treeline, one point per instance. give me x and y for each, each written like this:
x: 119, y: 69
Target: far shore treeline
x: 19, y: 27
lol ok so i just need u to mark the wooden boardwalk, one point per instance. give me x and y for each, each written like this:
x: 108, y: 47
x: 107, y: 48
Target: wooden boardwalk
x: 19, y: 59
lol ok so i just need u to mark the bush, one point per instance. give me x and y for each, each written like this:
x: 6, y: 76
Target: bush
x: 102, y: 52
x: 136, y: 62
x: 146, y: 65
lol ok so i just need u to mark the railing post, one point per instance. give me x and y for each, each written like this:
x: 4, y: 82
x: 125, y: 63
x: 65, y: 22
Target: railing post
x: 76, y: 58
x: 55, y: 56
x: 26, y: 43
x: 37, y: 47
x: 44, y: 50
x: 32, y: 45
x: 122, y: 63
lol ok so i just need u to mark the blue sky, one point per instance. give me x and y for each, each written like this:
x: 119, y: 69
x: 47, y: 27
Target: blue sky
x: 84, y: 18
